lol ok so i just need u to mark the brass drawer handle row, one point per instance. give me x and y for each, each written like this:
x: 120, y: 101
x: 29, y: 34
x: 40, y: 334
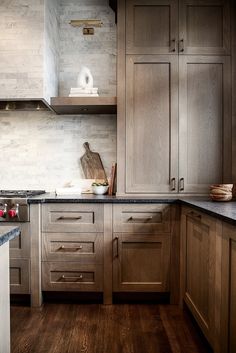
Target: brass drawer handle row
x: 63, y: 248
x: 136, y: 219
x: 68, y: 218
x: 70, y: 279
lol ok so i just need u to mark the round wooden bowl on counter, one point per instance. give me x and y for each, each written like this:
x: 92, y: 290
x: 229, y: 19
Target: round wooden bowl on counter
x: 221, y: 192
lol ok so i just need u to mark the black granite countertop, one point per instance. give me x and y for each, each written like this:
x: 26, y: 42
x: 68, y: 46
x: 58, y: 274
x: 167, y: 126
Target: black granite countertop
x: 90, y: 198
x: 225, y: 211
x: 8, y: 233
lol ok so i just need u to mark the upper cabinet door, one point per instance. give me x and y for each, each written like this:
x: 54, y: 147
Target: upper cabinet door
x: 204, y: 27
x: 151, y: 123
x: 204, y: 122
x: 151, y: 26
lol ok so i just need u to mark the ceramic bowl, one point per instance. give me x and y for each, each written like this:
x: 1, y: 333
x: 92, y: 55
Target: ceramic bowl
x: 99, y: 189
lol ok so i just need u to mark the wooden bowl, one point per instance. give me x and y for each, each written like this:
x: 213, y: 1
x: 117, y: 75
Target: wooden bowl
x: 221, y: 192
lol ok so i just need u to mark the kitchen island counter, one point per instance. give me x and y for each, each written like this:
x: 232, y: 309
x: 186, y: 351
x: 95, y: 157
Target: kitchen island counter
x: 8, y: 233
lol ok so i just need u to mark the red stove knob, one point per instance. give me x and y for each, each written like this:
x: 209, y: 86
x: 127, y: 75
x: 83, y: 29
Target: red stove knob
x: 12, y: 213
x: 2, y: 213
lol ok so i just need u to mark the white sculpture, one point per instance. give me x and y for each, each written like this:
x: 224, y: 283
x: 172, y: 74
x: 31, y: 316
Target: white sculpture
x: 85, y: 85
x: 85, y: 78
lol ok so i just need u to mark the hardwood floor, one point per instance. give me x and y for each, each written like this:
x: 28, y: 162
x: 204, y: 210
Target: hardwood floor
x: 94, y: 328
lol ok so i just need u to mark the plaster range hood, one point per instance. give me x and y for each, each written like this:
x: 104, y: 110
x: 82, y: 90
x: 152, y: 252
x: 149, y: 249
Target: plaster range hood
x: 24, y: 104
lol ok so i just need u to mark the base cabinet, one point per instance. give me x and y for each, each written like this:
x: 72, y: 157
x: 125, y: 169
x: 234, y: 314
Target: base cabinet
x: 141, y: 263
x: 228, y: 311
x: 198, y: 268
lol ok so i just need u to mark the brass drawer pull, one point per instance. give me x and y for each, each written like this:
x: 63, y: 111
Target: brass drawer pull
x: 64, y: 218
x: 136, y: 219
x: 71, y: 279
x: 63, y: 248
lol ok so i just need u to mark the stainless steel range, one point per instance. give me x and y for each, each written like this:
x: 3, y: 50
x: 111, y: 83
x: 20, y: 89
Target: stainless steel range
x: 14, y: 206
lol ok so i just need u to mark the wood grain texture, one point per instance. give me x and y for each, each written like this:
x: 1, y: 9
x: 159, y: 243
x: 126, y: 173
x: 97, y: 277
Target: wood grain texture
x: 70, y: 218
x: 141, y: 218
x: 121, y: 94
x: 151, y: 26
x: 4, y: 299
x: 83, y: 248
x: 20, y: 276
x: 104, y: 329
x: 175, y: 255
x: 151, y: 123
x: 141, y: 262
x: 233, y: 72
x: 35, y: 256
x: 199, y: 265
x: 107, y: 253
x: 205, y: 122
x: 228, y: 310
x: 205, y: 27
x: 71, y: 276
x: 92, y: 164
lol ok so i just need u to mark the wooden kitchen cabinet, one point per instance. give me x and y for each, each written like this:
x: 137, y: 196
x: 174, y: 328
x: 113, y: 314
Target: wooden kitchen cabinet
x: 204, y: 27
x: 204, y: 122
x: 141, y: 248
x: 228, y: 309
x: 198, y: 258
x: 151, y: 123
x: 141, y: 262
x: 151, y: 26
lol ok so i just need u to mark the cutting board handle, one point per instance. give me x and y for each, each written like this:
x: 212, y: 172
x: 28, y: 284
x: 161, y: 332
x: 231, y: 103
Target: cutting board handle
x: 86, y: 146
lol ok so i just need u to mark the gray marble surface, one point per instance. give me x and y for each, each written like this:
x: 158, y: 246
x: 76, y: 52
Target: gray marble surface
x: 8, y: 233
x: 225, y: 211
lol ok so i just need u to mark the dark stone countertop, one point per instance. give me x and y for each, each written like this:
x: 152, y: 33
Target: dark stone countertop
x: 90, y: 198
x: 8, y: 233
x: 225, y: 211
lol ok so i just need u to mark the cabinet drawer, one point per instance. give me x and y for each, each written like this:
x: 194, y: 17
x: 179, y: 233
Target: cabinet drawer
x: 19, y: 276
x: 72, y: 218
x: 20, y: 246
x: 85, y: 248
x: 141, y: 218
x: 71, y: 276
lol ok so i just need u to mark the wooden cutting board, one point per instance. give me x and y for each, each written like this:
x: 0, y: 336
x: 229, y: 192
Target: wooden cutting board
x: 92, y: 165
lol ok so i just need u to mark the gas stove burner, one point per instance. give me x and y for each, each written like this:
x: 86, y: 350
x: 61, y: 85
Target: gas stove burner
x: 20, y: 193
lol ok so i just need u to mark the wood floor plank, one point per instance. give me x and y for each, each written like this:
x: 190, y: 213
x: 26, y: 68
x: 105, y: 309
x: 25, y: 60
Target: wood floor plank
x: 94, y: 328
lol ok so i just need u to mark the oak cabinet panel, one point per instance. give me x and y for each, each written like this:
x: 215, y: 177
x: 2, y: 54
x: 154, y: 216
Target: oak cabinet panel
x: 141, y: 218
x: 151, y: 26
x: 228, y: 310
x: 19, y: 276
x: 141, y: 262
x: 72, y: 218
x: 204, y: 122
x: 204, y: 27
x: 198, y: 256
x: 151, y: 123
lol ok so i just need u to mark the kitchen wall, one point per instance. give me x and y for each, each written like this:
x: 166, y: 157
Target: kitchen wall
x: 42, y: 150
x: 97, y: 52
x: 21, y: 48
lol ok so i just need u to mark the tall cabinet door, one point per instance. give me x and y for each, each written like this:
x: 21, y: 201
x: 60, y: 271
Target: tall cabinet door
x: 204, y: 27
x: 204, y: 122
x: 151, y: 26
x: 151, y: 123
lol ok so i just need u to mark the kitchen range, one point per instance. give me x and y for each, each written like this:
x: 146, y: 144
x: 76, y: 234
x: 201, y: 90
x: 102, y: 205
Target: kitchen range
x: 14, y: 206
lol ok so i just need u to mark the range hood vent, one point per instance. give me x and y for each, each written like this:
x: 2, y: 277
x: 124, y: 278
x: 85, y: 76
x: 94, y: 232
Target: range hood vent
x: 24, y: 105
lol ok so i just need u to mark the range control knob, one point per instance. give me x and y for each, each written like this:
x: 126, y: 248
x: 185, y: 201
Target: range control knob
x: 13, y: 212
x: 3, y: 212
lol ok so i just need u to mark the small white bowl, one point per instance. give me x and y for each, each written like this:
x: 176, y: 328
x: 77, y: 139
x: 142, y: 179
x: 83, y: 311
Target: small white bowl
x: 99, y: 189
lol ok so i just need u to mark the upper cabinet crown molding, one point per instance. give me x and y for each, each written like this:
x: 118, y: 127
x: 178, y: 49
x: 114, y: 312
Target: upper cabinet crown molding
x: 178, y: 27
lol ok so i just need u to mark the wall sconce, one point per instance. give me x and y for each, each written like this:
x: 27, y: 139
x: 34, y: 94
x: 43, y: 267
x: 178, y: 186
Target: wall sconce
x: 88, y: 25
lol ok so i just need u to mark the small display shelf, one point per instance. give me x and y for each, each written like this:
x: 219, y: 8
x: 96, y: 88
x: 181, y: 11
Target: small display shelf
x: 84, y: 105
